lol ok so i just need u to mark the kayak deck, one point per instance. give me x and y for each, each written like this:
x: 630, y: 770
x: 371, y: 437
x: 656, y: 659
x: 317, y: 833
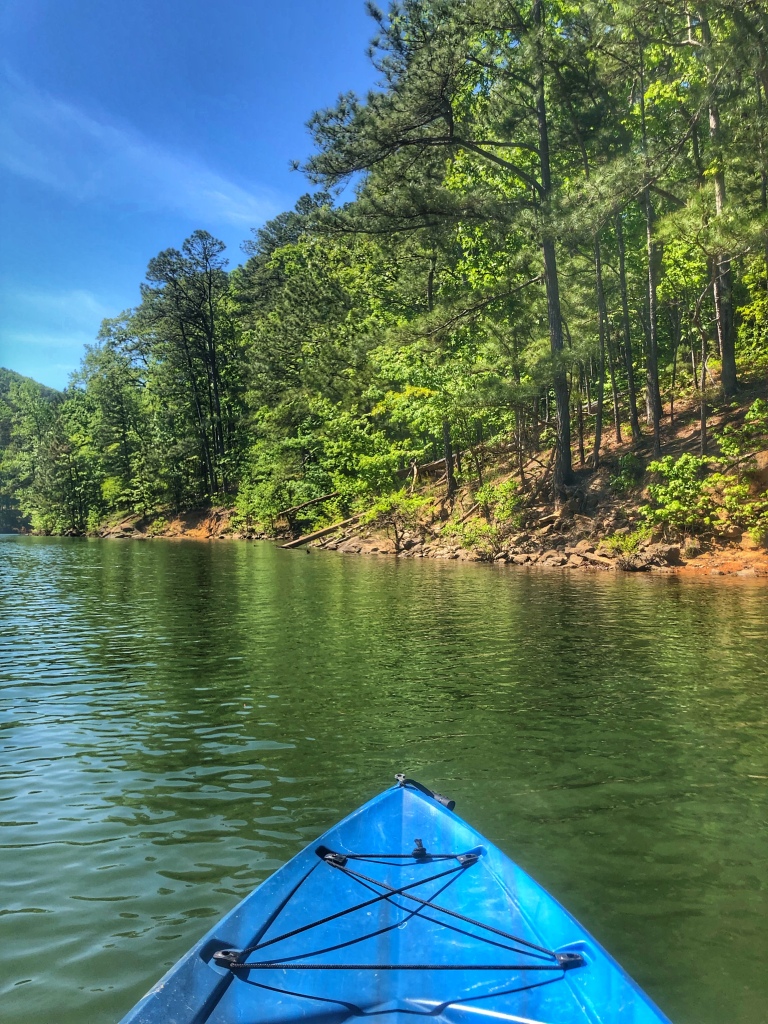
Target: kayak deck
x: 363, y: 924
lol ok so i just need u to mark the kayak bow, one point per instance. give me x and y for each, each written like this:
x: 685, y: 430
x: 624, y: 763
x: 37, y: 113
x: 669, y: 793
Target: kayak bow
x: 400, y: 909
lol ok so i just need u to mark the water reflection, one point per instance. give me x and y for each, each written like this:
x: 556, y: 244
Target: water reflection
x: 178, y: 719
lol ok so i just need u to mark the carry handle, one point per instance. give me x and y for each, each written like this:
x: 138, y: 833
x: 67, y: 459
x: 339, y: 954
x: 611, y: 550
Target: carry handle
x: 444, y: 800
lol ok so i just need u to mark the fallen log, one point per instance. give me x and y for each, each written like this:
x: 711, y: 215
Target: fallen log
x: 306, y: 504
x: 320, y: 533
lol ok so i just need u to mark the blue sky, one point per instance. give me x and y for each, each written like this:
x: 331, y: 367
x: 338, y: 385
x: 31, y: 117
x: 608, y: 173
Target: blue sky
x: 124, y: 126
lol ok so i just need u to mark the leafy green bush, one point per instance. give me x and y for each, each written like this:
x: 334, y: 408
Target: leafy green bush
x: 397, y: 514
x: 628, y: 543
x: 501, y: 502
x: 630, y: 471
x: 688, y: 501
x: 157, y: 526
x: 739, y: 443
x: 486, y: 539
x: 681, y: 501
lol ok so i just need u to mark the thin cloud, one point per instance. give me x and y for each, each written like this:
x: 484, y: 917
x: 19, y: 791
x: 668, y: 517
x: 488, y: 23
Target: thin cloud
x: 59, y: 145
x: 44, y: 333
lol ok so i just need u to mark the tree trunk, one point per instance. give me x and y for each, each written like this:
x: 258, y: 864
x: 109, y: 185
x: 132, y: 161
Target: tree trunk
x: 703, y: 396
x: 653, y: 395
x: 601, y: 325
x: 448, y: 454
x: 652, y: 358
x: 634, y: 422
x: 614, y: 386
x: 562, y: 472
x: 580, y: 416
x: 723, y: 282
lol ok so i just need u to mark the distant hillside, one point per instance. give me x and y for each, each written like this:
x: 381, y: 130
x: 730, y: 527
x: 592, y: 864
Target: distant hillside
x: 11, y: 517
x: 9, y: 377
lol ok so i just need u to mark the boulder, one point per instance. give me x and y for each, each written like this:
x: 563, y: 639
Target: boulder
x: 664, y: 554
x: 638, y: 562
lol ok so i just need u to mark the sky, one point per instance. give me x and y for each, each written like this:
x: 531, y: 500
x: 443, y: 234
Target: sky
x: 127, y: 124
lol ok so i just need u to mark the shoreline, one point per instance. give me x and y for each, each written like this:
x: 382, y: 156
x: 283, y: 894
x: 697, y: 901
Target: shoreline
x: 538, y: 547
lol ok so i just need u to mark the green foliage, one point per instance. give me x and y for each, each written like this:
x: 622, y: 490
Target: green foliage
x: 629, y: 543
x: 397, y: 514
x: 157, y: 527
x: 740, y: 443
x: 359, y: 338
x: 485, y: 539
x: 681, y: 500
x: 501, y: 503
x: 630, y: 472
x: 689, y: 501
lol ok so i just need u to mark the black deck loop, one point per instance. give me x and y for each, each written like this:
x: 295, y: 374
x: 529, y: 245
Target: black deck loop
x: 467, y: 859
x: 336, y: 860
x: 570, y: 960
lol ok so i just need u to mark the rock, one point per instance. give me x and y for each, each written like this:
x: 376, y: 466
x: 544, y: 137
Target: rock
x: 576, y: 561
x: 730, y: 533
x: 595, y: 559
x: 554, y: 558
x: 502, y: 556
x: 583, y: 522
x: 584, y: 546
x: 664, y: 554
x: 547, y: 530
x: 521, y: 559
x: 408, y: 544
x: 760, y: 475
x: 634, y: 563
x: 747, y: 571
x: 622, y: 531
x: 692, y: 549
x: 549, y: 520
x: 716, y: 572
x: 605, y: 551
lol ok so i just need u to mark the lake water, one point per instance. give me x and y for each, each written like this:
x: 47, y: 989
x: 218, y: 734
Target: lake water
x: 179, y: 719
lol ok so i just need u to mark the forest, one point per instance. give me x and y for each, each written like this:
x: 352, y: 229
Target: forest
x: 547, y: 224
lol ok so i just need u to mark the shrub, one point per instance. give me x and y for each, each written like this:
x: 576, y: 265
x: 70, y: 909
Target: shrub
x: 397, y: 514
x: 157, y: 526
x: 630, y: 471
x: 628, y: 543
x: 681, y: 501
x: 486, y: 539
x: 502, y: 502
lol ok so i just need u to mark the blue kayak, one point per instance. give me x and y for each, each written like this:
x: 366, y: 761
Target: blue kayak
x: 401, y: 910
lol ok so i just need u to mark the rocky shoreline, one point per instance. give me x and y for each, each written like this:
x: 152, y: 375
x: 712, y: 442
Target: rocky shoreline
x: 556, y: 541
x: 529, y: 550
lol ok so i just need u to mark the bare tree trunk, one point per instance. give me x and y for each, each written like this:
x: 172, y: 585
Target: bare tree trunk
x: 601, y: 327
x: 723, y: 281
x: 614, y: 387
x: 628, y: 360
x: 562, y: 472
x: 580, y: 416
x: 703, y: 396
x: 652, y: 359
x: 448, y: 453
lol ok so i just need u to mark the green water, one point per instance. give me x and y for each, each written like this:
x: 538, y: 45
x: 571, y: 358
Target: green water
x: 179, y: 719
